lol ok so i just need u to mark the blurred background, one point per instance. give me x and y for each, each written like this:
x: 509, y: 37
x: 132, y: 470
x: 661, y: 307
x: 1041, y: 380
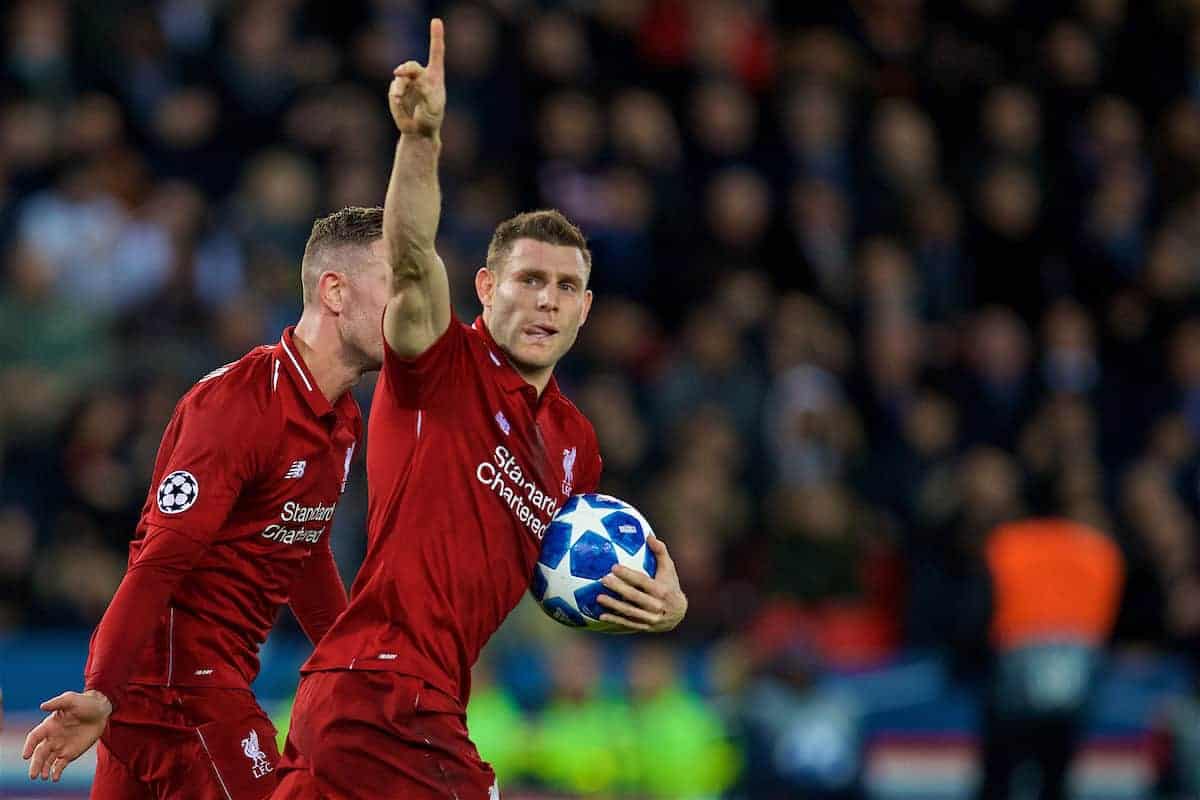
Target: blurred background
x: 873, y: 278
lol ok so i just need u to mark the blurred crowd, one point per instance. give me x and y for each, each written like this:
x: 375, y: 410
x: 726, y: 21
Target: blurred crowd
x: 872, y: 277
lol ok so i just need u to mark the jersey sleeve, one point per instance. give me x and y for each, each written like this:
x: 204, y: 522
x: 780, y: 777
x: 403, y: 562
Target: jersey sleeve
x: 429, y: 379
x: 210, y: 451
x: 318, y: 596
x: 143, y: 595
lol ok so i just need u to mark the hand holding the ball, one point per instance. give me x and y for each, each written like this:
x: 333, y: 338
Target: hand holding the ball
x: 654, y: 605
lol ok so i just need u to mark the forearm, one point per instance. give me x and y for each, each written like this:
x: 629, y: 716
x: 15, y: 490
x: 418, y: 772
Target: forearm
x: 143, y: 596
x: 318, y: 595
x: 412, y: 208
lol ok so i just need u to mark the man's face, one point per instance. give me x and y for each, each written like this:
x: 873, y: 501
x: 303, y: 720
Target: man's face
x: 534, y: 303
x: 367, y: 290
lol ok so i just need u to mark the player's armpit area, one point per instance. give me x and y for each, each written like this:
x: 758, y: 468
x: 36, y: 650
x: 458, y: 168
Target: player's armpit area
x: 427, y: 380
x: 419, y: 313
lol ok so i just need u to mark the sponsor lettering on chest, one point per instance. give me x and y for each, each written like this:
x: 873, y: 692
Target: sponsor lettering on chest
x: 532, y: 506
x: 297, y: 514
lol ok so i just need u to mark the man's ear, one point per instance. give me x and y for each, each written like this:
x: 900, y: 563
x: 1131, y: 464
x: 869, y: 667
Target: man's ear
x: 331, y: 288
x: 485, y: 286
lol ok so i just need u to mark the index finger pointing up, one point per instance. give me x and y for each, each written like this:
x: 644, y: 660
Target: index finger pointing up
x: 437, y: 45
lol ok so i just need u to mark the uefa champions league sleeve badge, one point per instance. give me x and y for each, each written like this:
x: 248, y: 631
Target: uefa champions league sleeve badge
x: 178, y: 492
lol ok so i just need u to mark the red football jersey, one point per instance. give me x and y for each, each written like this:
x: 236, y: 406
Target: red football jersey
x: 251, y: 467
x: 466, y: 466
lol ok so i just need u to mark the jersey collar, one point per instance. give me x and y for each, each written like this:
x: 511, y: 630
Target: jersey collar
x: 510, y: 379
x: 305, y: 383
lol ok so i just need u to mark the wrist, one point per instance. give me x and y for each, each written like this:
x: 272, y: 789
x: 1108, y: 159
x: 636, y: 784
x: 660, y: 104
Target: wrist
x: 431, y: 137
x: 102, y: 698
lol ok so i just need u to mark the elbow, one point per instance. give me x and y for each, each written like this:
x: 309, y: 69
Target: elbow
x: 410, y: 265
x: 404, y: 275
x: 405, y: 245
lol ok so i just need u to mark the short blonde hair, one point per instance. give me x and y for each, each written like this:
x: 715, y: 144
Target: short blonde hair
x: 352, y: 225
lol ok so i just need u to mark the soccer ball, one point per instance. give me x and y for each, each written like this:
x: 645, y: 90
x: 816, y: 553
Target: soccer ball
x: 590, y: 535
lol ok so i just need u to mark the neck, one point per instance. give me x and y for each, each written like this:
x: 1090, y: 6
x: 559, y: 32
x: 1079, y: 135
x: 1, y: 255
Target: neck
x: 538, y: 378
x: 318, y: 343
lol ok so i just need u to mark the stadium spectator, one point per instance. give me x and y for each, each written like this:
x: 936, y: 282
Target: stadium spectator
x: 1056, y: 586
x: 953, y: 224
x: 692, y: 757
x: 585, y: 738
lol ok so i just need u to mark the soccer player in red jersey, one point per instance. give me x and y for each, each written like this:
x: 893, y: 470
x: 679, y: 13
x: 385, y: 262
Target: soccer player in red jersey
x: 235, y: 524
x: 473, y: 450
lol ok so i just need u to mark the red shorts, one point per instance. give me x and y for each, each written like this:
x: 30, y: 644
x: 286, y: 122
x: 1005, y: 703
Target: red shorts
x: 187, y: 744
x: 372, y: 735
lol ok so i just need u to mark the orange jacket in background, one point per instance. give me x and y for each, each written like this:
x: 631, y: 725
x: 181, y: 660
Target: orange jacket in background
x: 1052, y: 579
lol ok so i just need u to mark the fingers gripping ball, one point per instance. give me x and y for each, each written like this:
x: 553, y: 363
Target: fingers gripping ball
x: 587, y: 538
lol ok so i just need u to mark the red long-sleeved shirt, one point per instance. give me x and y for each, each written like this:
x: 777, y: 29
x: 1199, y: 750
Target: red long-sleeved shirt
x: 235, y: 524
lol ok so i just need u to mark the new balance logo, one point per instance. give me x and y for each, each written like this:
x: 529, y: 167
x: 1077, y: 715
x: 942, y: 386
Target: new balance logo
x: 296, y: 470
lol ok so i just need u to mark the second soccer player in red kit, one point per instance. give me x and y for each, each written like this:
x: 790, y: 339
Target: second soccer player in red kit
x: 236, y: 523
x: 473, y: 449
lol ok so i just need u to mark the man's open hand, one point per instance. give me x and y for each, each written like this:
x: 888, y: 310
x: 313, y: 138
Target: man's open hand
x: 417, y: 96
x: 75, y: 723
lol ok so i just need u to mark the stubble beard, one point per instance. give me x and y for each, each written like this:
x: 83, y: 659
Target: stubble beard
x: 529, y: 366
x: 363, y: 356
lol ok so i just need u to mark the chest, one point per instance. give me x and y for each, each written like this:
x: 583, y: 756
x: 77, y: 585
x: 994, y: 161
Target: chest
x: 513, y: 461
x: 294, y: 496
x: 542, y: 438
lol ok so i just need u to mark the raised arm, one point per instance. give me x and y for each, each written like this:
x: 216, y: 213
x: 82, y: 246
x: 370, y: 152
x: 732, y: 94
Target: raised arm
x: 419, y: 311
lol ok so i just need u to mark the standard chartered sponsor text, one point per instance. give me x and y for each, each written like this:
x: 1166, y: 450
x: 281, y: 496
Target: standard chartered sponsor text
x: 504, y: 476
x: 296, y: 512
x: 279, y: 533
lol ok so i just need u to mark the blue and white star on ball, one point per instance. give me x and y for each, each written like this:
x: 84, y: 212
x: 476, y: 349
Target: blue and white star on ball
x: 587, y: 538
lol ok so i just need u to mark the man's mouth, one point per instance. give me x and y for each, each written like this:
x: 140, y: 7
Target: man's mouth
x: 540, y: 332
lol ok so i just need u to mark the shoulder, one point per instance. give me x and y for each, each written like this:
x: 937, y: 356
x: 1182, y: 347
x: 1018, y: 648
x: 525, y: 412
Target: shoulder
x: 241, y: 392
x: 478, y: 344
x: 576, y: 421
x: 446, y: 347
x: 465, y: 349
